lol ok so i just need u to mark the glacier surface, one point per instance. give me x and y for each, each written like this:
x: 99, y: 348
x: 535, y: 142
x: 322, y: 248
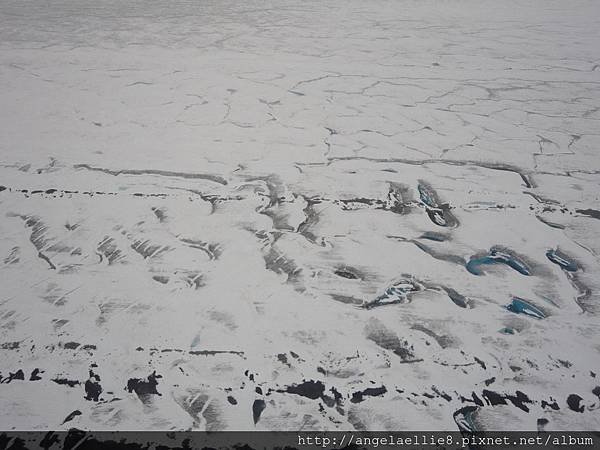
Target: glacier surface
x: 283, y: 215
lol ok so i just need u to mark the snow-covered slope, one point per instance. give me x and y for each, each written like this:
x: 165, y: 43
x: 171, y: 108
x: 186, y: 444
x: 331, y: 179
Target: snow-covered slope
x: 299, y: 215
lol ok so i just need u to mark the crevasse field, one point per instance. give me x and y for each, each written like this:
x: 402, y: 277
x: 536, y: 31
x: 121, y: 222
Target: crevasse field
x: 283, y: 215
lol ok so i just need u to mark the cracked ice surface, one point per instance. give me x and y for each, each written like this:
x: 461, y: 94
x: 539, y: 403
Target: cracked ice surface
x: 283, y: 215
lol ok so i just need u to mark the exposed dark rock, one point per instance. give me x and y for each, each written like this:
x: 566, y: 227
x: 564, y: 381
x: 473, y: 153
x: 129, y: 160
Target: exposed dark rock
x: 144, y: 388
x: 493, y: 398
x: 358, y: 397
x: 18, y: 375
x: 35, y: 375
x: 552, y: 405
x: 282, y: 358
x: 519, y: 400
x: 64, y: 381
x: 72, y: 416
x: 71, y: 345
x: 93, y: 388
x: 574, y: 402
x: 309, y: 389
x: 257, y: 408
x: 489, y: 381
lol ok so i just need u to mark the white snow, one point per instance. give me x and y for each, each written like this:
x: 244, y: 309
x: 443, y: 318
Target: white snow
x: 242, y: 177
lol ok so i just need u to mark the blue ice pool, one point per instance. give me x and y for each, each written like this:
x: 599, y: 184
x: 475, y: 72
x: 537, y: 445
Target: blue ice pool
x: 562, y: 260
x: 520, y: 306
x: 497, y: 257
